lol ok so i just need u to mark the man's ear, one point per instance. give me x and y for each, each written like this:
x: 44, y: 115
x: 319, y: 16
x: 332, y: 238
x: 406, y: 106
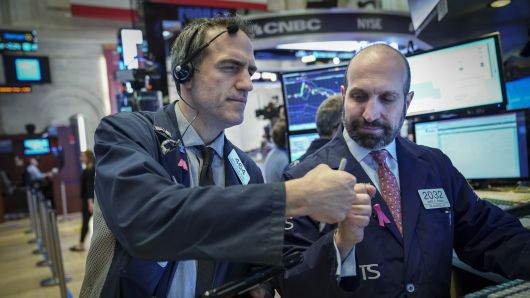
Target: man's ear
x: 408, y: 98
x: 342, y: 92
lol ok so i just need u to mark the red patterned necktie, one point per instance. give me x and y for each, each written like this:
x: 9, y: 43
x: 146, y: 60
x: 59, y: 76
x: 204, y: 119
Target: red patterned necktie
x: 389, y: 186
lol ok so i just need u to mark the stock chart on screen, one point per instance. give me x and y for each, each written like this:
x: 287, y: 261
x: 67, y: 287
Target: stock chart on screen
x: 304, y: 91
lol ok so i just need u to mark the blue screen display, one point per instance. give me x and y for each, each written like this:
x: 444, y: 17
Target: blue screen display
x: 36, y: 146
x: 6, y: 146
x: 304, y: 92
x: 518, y: 93
x: 28, y: 69
x: 299, y: 143
x: 481, y: 147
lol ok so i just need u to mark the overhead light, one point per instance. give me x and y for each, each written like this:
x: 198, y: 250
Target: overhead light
x: 343, y: 46
x: 333, y: 46
x: 309, y: 59
x: 256, y: 76
x: 336, y: 60
x: 500, y: 3
x: 269, y: 76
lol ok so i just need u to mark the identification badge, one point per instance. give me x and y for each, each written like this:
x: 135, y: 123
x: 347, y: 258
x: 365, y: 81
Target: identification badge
x: 238, y: 166
x: 434, y: 198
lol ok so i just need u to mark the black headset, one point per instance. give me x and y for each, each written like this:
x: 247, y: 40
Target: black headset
x: 184, y: 70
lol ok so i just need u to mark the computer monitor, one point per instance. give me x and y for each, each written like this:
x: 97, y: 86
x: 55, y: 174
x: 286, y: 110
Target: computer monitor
x: 299, y: 143
x: 518, y: 93
x: 36, y: 146
x: 456, y: 77
x: 6, y: 146
x: 304, y: 91
x: 26, y: 69
x: 485, y: 147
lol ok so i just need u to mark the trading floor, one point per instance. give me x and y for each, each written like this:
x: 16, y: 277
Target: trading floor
x: 20, y: 276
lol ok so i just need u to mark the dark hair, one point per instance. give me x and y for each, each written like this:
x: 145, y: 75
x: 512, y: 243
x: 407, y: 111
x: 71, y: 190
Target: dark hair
x: 329, y: 115
x: 279, y: 133
x: 193, y: 34
x: 91, y: 159
x: 406, y: 85
x: 30, y: 128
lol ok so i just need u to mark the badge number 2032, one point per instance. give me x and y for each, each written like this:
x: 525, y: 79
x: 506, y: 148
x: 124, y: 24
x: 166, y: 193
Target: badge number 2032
x: 434, y: 198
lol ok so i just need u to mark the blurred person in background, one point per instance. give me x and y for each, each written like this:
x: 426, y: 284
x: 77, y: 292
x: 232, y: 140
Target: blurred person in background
x: 87, y: 196
x: 328, y: 119
x: 277, y: 159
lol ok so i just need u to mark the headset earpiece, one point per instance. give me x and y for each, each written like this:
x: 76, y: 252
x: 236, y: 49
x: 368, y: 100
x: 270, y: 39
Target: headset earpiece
x: 182, y: 73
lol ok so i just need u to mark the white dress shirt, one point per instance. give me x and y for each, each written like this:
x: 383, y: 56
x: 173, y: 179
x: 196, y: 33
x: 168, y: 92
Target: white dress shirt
x: 362, y: 155
x: 183, y: 283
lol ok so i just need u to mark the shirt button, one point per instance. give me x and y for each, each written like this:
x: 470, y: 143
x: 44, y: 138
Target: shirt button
x: 410, y: 288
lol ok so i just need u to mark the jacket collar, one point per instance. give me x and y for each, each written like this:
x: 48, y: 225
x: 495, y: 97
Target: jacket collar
x: 166, y: 120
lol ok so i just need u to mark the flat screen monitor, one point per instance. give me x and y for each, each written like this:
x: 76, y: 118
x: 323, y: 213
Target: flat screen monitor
x: 36, y: 146
x: 461, y: 76
x: 485, y: 147
x: 304, y: 91
x: 6, y: 146
x: 518, y: 93
x: 26, y: 69
x: 299, y: 143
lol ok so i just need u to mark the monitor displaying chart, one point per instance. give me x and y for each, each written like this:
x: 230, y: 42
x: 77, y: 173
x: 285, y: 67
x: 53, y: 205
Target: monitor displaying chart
x: 460, y: 76
x: 299, y: 143
x: 304, y: 91
x: 481, y: 147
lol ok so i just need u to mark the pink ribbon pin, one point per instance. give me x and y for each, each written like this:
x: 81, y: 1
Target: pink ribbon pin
x: 381, y: 216
x: 182, y: 163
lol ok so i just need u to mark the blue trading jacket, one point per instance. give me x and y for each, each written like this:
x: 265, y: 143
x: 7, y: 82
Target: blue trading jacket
x: 155, y: 217
x: 418, y: 263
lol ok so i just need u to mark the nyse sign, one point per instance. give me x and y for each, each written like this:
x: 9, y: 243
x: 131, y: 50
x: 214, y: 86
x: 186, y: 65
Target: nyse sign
x: 370, y: 23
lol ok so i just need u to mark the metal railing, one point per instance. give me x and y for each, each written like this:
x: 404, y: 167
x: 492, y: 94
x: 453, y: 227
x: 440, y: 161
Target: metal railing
x: 43, y: 219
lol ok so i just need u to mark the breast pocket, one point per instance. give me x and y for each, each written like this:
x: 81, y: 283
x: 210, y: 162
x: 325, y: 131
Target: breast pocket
x: 435, y: 236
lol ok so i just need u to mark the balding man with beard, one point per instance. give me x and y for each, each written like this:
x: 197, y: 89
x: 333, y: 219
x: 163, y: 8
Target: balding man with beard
x: 422, y: 210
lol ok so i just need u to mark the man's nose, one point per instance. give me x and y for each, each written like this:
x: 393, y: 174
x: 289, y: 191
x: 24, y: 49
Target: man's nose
x: 244, y: 82
x: 372, y: 110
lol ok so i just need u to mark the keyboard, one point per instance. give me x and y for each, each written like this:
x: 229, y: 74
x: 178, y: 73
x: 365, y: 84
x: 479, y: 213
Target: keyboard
x: 504, y: 199
x: 515, y: 289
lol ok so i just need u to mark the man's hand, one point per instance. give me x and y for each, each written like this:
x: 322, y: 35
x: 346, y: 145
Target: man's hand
x: 258, y: 292
x: 324, y: 194
x: 350, y: 231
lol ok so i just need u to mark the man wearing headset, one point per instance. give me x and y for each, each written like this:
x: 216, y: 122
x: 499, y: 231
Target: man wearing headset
x: 156, y: 209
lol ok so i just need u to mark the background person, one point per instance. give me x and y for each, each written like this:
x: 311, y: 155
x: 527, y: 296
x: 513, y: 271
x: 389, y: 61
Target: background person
x: 328, y: 120
x: 87, y: 196
x: 277, y: 160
